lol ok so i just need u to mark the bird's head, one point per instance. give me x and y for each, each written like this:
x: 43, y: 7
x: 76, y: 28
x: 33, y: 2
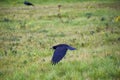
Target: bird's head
x: 53, y: 47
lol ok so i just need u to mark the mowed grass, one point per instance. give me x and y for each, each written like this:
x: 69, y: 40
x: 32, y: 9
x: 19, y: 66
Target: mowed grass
x: 27, y: 33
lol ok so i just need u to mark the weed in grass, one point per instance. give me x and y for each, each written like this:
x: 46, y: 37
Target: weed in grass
x: 88, y: 15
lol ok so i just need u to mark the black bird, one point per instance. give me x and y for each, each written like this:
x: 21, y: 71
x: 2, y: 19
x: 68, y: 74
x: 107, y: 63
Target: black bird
x: 60, y: 51
x: 102, y: 19
x: 28, y: 3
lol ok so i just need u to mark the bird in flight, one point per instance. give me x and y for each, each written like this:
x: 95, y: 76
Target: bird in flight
x: 28, y: 3
x: 60, y: 51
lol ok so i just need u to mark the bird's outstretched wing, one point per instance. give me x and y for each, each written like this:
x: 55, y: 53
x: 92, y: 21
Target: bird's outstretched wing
x: 58, y: 54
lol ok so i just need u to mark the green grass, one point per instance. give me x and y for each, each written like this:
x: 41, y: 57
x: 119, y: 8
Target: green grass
x: 27, y: 34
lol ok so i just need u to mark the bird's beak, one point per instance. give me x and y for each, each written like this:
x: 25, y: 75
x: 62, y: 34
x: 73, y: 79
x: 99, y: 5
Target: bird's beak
x: 51, y: 48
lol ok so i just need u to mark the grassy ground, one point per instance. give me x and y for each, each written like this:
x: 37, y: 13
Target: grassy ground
x: 27, y: 34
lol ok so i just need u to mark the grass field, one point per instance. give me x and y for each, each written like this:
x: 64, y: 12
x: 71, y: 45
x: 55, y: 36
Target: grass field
x: 28, y: 32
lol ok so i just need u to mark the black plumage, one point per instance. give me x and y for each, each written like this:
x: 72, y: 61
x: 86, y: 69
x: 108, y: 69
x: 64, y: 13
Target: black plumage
x: 60, y: 52
x: 28, y: 3
x: 102, y: 19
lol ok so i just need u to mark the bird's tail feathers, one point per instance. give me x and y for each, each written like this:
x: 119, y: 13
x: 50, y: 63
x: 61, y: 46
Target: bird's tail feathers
x: 71, y: 48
